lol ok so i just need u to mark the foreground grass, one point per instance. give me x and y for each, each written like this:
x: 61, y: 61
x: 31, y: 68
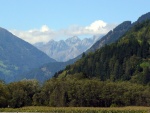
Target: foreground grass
x: 134, y: 109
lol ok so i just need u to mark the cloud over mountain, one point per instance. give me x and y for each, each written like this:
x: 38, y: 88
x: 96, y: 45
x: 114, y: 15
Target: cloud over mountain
x: 44, y: 34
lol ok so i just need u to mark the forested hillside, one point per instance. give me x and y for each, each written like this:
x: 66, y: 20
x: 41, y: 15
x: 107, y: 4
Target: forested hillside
x: 127, y: 59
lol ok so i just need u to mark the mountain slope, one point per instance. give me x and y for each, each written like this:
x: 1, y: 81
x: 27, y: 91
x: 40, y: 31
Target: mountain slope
x: 127, y: 59
x: 59, y: 49
x: 18, y: 56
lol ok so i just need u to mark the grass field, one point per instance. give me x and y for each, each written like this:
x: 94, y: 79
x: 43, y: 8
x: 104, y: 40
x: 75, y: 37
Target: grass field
x: 134, y: 109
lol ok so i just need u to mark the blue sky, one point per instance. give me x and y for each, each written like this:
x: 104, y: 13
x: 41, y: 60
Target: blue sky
x: 22, y: 16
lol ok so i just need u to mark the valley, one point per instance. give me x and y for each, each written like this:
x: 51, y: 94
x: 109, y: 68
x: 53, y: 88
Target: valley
x: 107, y: 72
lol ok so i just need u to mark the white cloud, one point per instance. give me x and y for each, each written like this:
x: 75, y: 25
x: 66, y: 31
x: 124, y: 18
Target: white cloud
x: 44, y: 34
x: 96, y: 26
x: 44, y: 28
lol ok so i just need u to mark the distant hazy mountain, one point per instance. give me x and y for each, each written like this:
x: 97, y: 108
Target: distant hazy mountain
x: 18, y: 56
x: 59, y: 49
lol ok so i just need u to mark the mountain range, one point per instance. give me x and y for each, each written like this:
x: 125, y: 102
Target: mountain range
x: 59, y: 50
x: 48, y: 70
x: 18, y: 56
x: 109, y: 38
x: 20, y: 60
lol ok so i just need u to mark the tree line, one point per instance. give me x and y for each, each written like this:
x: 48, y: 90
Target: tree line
x: 67, y: 92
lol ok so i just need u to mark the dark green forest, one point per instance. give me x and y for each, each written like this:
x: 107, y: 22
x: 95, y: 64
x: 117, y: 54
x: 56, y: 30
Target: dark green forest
x: 127, y: 59
x: 115, y: 75
x: 72, y: 92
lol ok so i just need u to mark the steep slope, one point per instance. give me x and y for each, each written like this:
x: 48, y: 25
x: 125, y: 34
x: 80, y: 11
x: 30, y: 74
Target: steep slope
x: 126, y: 59
x: 59, y: 49
x: 18, y: 56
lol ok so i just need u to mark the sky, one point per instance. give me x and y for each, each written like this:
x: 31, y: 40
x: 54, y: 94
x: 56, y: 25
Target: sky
x: 43, y: 20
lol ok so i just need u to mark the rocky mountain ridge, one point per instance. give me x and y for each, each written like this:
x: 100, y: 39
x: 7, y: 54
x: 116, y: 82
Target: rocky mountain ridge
x: 59, y: 49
